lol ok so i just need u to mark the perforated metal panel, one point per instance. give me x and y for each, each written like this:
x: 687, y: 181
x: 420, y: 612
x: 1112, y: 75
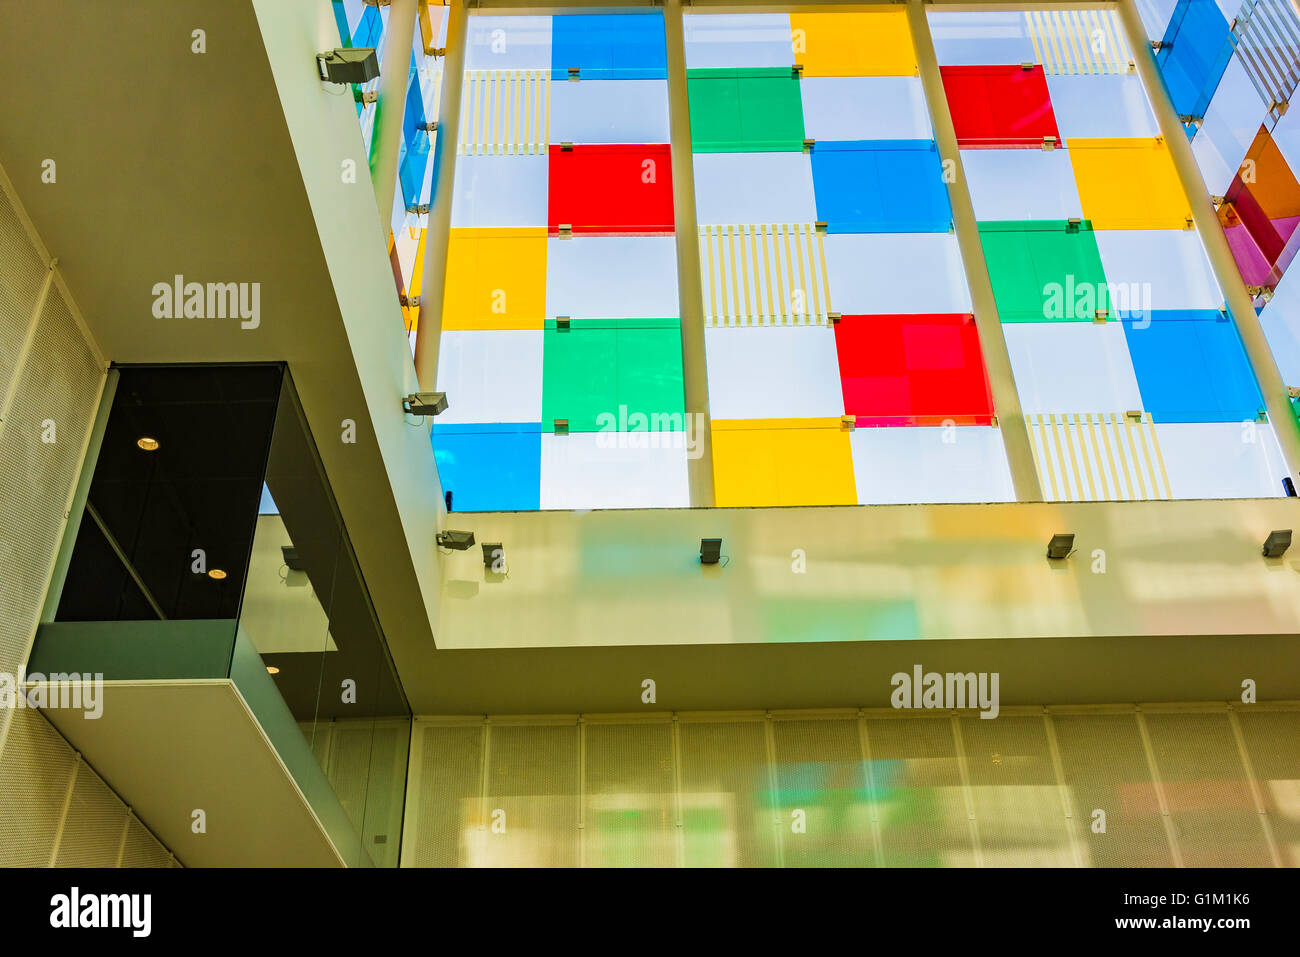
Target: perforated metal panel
x: 1214, y: 817
x: 1018, y: 809
x: 35, y: 769
x: 914, y: 801
x: 629, y: 812
x: 1105, y: 769
x: 349, y: 767
x: 92, y: 830
x: 57, y: 392
x: 1272, y: 740
x: 726, y: 796
x: 822, y: 787
x: 445, y: 792
x: 532, y: 799
x: 22, y: 270
x: 916, y: 782
x: 142, y: 848
x: 386, y: 788
x: 366, y: 766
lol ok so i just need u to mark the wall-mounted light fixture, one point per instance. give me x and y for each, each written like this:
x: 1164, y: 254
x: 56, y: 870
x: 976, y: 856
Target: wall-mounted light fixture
x: 1060, y: 546
x: 460, y: 541
x: 1278, y: 541
x: 355, y: 65
x: 425, y: 403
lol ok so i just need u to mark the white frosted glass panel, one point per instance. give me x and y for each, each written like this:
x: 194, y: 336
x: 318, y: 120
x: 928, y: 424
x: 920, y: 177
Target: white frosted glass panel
x: 589, y: 470
x: 612, y: 277
x: 1216, y: 460
x: 865, y: 108
x: 1281, y: 322
x: 754, y: 188
x: 1021, y: 184
x: 1231, y: 122
x: 609, y: 111
x: 1072, y: 367
x: 896, y: 273
x: 926, y: 465
x: 498, y: 191
x: 491, y: 376
x: 773, y: 372
x: 1101, y: 106
x: 1287, y: 137
x: 976, y: 39
x: 1156, y: 15
x: 1166, y: 268
x: 508, y: 43
x: 732, y: 40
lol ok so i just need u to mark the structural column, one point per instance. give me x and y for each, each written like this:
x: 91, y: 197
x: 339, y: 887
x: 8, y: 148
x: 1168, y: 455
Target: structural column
x: 689, y: 287
x: 428, y: 331
x: 997, y: 361
x: 1238, y: 301
x: 387, y: 137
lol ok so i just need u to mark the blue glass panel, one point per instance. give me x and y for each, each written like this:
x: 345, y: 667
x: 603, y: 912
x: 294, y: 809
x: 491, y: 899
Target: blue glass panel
x: 609, y: 46
x: 1193, y: 54
x: 368, y: 31
x: 880, y: 186
x: 1191, y: 367
x: 490, y: 467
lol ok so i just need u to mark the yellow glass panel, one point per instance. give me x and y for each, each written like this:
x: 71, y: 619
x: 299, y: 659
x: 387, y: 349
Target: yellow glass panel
x: 782, y: 462
x: 875, y: 43
x: 496, y: 279
x: 1128, y: 184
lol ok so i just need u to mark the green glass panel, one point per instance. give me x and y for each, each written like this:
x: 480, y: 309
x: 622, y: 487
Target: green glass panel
x: 1044, y: 271
x: 604, y: 374
x: 739, y: 111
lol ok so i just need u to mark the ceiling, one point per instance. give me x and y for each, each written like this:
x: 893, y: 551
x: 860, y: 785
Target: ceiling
x: 230, y: 171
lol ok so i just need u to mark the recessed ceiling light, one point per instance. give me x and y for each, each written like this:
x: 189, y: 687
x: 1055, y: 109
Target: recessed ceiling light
x: 216, y: 573
x: 147, y: 442
x: 272, y: 670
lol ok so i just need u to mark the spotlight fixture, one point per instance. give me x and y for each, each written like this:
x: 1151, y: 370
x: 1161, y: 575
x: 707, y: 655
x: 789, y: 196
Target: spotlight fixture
x: 425, y: 403
x: 710, y: 551
x: 460, y: 541
x: 272, y: 670
x: 1061, y: 545
x: 217, y: 574
x: 355, y: 65
x: 1278, y: 541
x: 291, y: 558
x: 148, y: 443
x: 493, y: 553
